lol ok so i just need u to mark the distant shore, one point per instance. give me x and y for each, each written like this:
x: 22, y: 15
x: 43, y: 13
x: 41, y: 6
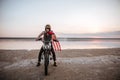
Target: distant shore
x: 73, y: 64
x: 61, y: 38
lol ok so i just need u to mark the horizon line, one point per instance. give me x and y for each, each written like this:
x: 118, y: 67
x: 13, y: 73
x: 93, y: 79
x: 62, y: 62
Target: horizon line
x: 62, y: 37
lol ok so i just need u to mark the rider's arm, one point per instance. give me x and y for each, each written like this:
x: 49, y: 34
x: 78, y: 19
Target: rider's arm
x: 54, y: 38
x: 39, y: 36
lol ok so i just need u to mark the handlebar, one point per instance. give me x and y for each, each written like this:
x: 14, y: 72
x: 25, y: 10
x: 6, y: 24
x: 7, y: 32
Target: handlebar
x: 40, y: 39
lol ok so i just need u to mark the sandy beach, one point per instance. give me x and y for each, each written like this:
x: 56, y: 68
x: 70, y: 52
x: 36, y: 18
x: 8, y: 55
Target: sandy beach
x: 73, y: 64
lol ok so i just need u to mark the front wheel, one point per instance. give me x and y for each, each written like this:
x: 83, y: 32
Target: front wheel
x: 46, y: 63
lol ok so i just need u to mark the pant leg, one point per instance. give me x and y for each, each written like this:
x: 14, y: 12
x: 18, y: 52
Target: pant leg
x: 53, y: 53
x: 40, y: 54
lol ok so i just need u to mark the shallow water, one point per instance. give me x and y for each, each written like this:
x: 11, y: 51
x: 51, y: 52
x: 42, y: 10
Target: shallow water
x: 65, y: 44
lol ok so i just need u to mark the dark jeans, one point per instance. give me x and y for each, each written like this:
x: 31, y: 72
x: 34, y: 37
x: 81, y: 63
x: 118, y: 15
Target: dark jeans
x: 41, y: 51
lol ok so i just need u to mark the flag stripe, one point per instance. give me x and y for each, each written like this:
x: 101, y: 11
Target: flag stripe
x: 59, y: 46
x: 56, y: 46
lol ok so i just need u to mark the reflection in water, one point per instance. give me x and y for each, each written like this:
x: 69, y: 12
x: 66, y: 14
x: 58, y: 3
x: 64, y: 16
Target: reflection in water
x: 95, y: 41
x: 65, y: 44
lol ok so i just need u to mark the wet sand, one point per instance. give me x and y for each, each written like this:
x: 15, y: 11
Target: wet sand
x: 76, y: 64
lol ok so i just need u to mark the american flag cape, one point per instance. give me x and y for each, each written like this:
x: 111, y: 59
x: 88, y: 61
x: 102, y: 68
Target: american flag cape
x: 56, y: 46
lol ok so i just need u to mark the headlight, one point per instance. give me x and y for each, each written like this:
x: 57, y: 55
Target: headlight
x: 48, y: 46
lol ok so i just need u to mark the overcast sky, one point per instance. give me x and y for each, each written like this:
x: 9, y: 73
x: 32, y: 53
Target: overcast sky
x: 28, y: 17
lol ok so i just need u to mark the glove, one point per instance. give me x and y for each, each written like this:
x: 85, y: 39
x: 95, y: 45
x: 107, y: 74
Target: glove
x: 38, y: 39
x: 55, y: 40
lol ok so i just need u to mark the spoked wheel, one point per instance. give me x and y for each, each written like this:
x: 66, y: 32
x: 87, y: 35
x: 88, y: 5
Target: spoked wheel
x: 46, y: 62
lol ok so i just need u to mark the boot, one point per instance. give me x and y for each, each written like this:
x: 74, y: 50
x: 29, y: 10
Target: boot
x: 55, y: 64
x: 38, y: 64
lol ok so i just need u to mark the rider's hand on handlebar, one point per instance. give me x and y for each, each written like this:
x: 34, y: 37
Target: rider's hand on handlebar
x: 55, y: 40
x: 37, y: 39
